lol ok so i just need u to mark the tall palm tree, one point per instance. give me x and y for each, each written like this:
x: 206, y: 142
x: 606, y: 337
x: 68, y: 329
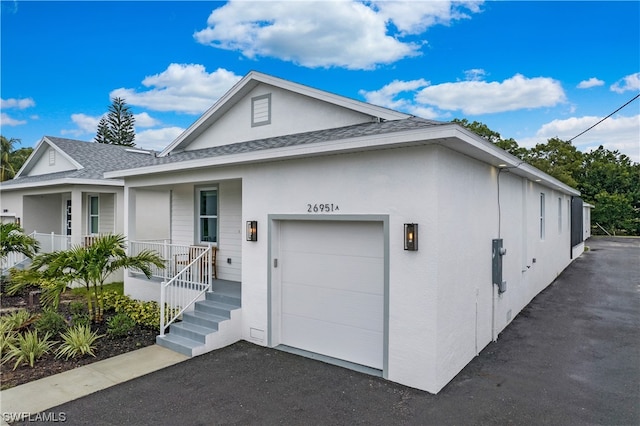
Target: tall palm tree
x: 91, y: 266
x: 6, y: 148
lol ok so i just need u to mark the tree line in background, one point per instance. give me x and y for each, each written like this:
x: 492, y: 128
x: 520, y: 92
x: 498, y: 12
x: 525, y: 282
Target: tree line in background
x: 607, y: 179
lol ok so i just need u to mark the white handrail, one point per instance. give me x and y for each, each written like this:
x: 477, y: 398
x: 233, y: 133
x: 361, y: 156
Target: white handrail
x: 186, y: 287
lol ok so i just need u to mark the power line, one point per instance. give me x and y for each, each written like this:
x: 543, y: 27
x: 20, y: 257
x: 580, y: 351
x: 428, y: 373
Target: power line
x: 582, y: 133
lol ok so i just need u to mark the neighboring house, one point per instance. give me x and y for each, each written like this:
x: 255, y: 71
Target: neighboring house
x: 61, y: 192
x: 348, y: 232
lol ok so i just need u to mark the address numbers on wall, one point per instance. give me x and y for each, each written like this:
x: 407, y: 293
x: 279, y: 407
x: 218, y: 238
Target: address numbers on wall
x: 322, y: 208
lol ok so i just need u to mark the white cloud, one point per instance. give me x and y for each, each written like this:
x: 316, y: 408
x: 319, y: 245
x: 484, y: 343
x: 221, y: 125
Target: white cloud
x: 157, y: 139
x: 145, y: 120
x: 387, y: 96
x: 592, y: 82
x: 17, y: 103
x: 186, y: 88
x: 471, y: 97
x: 630, y: 82
x: 5, y: 120
x: 86, y: 124
x: 347, y: 34
x: 615, y: 133
x: 481, y: 97
x: 475, y: 74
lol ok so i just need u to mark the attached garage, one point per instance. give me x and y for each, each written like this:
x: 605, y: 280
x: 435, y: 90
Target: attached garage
x: 330, y: 288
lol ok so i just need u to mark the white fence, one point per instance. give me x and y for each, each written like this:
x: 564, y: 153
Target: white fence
x: 48, y: 243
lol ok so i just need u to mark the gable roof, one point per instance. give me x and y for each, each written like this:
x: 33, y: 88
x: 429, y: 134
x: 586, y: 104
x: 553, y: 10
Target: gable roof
x: 253, y: 79
x: 90, y: 161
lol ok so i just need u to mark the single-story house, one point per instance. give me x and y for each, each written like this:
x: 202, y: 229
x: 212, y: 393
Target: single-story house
x: 61, y: 196
x: 346, y: 232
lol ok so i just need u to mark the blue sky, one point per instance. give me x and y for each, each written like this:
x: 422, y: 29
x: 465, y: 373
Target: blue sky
x: 528, y: 70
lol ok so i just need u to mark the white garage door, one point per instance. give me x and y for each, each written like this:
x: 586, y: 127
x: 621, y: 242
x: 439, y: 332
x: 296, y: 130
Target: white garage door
x: 333, y: 289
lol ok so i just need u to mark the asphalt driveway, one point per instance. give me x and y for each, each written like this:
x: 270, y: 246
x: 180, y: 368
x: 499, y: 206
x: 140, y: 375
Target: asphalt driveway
x: 572, y: 357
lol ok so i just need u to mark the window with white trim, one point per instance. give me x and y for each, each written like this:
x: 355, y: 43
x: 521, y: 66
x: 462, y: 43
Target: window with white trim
x: 559, y: 215
x: 542, y: 216
x: 94, y: 209
x: 208, y: 215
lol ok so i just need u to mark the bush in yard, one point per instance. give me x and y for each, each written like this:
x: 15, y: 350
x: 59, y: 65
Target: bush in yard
x: 78, y: 340
x: 27, y: 348
x: 7, y: 338
x: 50, y: 322
x: 146, y: 314
x: 16, y: 320
x: 79, y: 314
x: 120, y: 325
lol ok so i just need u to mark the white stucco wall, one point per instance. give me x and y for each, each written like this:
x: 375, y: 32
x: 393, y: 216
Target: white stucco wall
x: 290, y: 113
x: 443, y: 307
x: 43, y: 166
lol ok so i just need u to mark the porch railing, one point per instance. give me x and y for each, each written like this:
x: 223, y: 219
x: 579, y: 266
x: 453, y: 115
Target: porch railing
x: 187, y: 286
x: 48, y: 242
x: 175, y: 256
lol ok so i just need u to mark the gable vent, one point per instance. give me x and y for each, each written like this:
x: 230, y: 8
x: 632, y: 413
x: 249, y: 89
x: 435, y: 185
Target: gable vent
x: 52, y: 157
x: 261, y: 110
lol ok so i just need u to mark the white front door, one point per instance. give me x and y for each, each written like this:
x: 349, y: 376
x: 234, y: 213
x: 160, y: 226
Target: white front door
x: 332, y: 289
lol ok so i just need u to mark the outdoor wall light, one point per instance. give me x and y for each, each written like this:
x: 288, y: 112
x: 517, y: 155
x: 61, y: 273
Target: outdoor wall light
x: 411, y: 236
x: 252, y: 230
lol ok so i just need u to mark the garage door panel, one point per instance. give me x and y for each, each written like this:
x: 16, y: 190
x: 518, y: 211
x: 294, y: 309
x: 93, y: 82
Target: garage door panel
x: 355, y: 273
x: 343, y: 239
x: 350, y: 308
x: 332, y: 289
x: 339, y: 341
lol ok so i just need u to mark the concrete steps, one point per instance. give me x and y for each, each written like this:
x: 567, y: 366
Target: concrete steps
x: 213, y: 323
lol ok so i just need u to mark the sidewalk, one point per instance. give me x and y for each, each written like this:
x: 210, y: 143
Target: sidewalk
x: 54, y: 390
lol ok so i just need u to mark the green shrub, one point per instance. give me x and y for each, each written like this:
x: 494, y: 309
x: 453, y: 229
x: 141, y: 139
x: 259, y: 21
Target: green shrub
x: 50, y: 322
x: 27, y: 348
x: 120, y: 325
x: 79, y: 314
x: 77, y: 340
x: 7, y: 338
x: 77, y: 308
x: 16, y: 320
x: 146, y: 314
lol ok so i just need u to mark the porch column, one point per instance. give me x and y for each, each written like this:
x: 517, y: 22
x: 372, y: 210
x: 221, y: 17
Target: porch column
x: 129, y: 213
x: 77, y: 218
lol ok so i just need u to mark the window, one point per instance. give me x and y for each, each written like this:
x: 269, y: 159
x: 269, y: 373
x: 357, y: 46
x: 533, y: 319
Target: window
x: 93, y: 214
x: 559, y: 215
x: 541, y: 216
x: 208, y: 215
x: 261, y: 110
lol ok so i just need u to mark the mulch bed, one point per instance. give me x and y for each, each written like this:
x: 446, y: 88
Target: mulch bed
x: 48, y: 364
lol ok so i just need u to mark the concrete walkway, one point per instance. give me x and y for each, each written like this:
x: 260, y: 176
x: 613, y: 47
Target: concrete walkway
x: 43, y: 394
x: 571, y: 357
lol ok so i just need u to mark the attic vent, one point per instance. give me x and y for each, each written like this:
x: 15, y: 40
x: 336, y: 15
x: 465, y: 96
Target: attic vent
x: 261, y: 110
x: 52, y: 157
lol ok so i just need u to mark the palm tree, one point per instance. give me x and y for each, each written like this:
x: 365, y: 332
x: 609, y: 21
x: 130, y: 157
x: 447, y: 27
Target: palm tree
x: 6, y: 148
x: 14, y: 240
x: 90, y: 266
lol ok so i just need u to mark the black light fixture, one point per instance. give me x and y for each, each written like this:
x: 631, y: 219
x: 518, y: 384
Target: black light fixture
x: 252, y: 230
x: 411, y: 236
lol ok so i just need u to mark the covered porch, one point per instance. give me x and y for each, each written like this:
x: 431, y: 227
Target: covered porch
x: 196, y: 229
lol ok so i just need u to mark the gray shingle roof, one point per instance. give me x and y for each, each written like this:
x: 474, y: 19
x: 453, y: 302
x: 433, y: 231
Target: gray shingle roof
x: 96, y: 159
x: 319, y: 136
x: 100, y: 158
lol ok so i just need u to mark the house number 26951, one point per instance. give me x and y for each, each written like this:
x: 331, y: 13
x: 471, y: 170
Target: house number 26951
x: 322, y: 208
